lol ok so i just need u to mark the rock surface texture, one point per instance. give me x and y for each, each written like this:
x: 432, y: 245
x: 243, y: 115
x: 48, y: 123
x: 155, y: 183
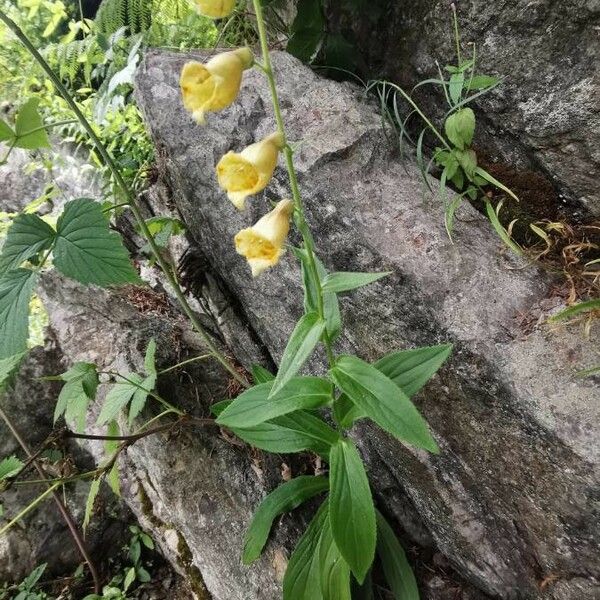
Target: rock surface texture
x: 544, y: 117
x: 511, y: 500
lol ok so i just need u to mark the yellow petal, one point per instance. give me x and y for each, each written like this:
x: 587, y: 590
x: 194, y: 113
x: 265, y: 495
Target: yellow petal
x: 262, y: 244
x: 215, y: 9
x: 249, y: 172
x: 215, y: 85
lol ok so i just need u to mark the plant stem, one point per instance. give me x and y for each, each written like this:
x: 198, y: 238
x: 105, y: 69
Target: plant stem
x: 185, y: 362
x: 289, y: 161
x: 51, y: 490
x: 133, y: 204
x: 456, y: 34
x: 64, y: 511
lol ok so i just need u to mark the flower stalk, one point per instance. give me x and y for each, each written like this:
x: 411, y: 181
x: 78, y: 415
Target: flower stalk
x: 301, y: 222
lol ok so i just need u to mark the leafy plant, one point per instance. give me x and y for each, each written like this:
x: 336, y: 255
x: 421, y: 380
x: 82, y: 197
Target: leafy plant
x: 280, y: 412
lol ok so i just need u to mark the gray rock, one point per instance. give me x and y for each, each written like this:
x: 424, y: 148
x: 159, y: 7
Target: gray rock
x: 193, y: 489
x: 545, y: 117
x: 510, y: 500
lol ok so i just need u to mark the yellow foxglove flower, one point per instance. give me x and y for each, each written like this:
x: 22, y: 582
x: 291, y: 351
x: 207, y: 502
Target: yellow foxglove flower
x: 215, y: 85
x: 247, y: 173
x: 262, y: 244
x: 215, y: 9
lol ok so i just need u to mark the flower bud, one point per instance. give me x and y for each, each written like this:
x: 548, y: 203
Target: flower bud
x: 249, y: 172
x: 215, y: 9
x: 215, y: 85
x: 262, y: 244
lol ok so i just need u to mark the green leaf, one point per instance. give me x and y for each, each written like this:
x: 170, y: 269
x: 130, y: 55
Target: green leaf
x: 89, y: 504
x: 500, y: 230
x: 351, y: 509
x: 300, y: 346
x: 331, y: 307
x: 261, y: 375
x: 306, y: 30
x: 6, y: 132
x: 455, y: 88
x: 302, y: 580
x: 345, y: 281
x: 291, y: 433
x: 460, y: 127
x: 119, y: 396
x: 140, y: 396
x: 256, y: 406
x: 410, y: 370
x: 16, y: 288
x: 28, y: 120
x: 27, y: 236
x: 87, y: 250
x: 335, y: 572
x: 467, y: 159
x: 284, y: 499
x: 9, y: 467
x: 380, y: 399
x: 482, y: 82
x: 110, y: 447
x: 150, y: 358
x: 79, y: 390
x: 575, y: 310
x: 396, y: 569
x: 8, y: 366
x: 129, y: 578
x: 490, y: 179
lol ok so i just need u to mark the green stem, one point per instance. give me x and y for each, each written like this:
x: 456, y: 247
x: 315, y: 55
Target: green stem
x: 30, y: 507
x: 135, y: 209
x: 456, y: 34
x: 185, y: 362
x: 289, y: 161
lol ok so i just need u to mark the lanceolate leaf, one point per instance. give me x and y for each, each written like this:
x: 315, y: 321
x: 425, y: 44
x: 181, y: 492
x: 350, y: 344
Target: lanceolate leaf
x: 575, y: 310
x: 91, y: 500
x: 331, y: 307
x: 335, y: 572
x: 256, y: 406
x: 382, y: 401
x: 28, y: 127
x: 410, y: 370
x: 344, y: 282
x: 396, y: 569
x: 302, y: 579
x: 261, y: 375
x: 27, y: 236
x: 300, y: 346
x: 351, y: 509
x: 87, y: 250
x: 150, y: 358
x: 16, y: 288
x: 285, y: 498
x: 290, y: 433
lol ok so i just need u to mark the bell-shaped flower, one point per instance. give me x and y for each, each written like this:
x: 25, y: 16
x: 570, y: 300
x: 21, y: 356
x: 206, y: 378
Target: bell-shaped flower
x: 215, y: 85
x: 215, y: 9
x: 262, y: 244
x: 249, y: 172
